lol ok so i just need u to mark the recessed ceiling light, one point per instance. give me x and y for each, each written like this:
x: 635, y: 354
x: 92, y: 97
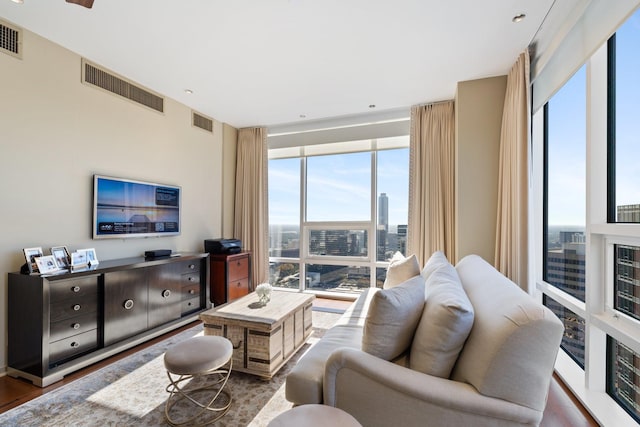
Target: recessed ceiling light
x: 519, y: 18
x: 188, y: 91
x: 18, y: 1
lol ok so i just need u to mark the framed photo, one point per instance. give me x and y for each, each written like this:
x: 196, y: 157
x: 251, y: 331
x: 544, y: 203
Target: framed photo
x: 61, y: 254
x: 91, y: 256
x: 30, y: 255
x: 47, y: 264
x: 79, y: 260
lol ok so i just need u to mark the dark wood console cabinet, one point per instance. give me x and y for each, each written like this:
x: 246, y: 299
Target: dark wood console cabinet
x: 63, y: 322
x: 230, y: 276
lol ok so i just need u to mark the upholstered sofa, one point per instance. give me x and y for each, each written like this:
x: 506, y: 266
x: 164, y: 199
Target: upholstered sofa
x: 493, y: 368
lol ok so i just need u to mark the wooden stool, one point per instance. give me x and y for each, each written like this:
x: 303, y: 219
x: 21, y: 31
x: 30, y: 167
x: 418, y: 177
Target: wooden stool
x: 314, y: 415
x: 193, y: 360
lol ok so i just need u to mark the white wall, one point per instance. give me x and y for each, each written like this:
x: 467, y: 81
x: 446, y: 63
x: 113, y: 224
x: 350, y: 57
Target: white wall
x: 56, y: 132
x: 479, y: 105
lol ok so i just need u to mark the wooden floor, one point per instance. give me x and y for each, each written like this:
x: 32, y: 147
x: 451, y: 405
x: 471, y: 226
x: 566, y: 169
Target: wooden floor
x: 563, y: 410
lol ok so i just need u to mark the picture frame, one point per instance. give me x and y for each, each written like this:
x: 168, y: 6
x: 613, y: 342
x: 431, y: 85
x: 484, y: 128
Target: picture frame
x: 30, y: 255
x: 91, y: 256
x: 47, y: 264
x: 79, y: 260
x: 61, y: 254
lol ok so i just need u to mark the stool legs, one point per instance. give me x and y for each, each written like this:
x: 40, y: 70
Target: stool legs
x: 178, y: 392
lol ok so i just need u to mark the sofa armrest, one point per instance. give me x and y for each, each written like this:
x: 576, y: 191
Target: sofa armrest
x: 380, y: 393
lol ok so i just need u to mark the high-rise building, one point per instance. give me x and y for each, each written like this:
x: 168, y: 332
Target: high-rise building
x: 383, y: 211
x: 628, y: 213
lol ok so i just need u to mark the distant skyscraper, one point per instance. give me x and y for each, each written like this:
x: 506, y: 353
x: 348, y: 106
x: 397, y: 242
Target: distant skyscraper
x: 383, y: 211
x: 628, y: 213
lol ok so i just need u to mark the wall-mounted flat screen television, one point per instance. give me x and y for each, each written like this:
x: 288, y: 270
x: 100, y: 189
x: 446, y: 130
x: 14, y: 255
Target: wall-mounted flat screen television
x: 124, y: 208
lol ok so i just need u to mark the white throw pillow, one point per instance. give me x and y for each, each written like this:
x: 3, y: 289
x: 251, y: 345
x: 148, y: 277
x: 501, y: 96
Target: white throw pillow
x: 400, y: 270
x: 392, y: 319
x: 445, y: 324
x: 437, y: 260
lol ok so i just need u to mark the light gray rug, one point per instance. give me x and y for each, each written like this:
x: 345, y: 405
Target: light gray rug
x: 131, y: 392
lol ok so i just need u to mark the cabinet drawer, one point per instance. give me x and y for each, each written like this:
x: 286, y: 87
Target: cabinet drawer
x: 238, y: 288
x: 73, y: 307
x: 69, y: 347
x: 190, y: 305
x: 238, y: 268
x: 191, y: 291
x: 190, y: 278
x: 74, y: 326
x: 73, y: 288
x: 188, y: 267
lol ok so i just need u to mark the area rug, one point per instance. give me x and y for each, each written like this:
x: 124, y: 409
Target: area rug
x: 131, y: 392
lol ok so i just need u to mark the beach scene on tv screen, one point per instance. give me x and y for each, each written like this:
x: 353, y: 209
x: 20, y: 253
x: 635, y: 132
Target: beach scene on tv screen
x: 125, y: 207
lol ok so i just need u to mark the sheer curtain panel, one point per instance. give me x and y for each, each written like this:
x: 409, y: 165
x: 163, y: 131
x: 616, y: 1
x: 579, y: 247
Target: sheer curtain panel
x: 512, y: 218
x: 251, y: 223
x: 431, y: 181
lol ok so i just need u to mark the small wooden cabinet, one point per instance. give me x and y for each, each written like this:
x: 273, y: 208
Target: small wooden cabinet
x: 230, y: 276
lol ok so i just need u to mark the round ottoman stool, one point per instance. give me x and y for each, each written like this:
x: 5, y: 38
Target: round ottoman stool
x: 314, y: 415
x: 200, y: 365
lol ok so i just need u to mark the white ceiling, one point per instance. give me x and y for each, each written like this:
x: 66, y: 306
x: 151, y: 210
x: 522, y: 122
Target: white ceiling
x: 267, y: 62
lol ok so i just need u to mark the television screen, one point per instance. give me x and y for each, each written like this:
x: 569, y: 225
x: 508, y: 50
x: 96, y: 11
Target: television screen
x: 127, y: 208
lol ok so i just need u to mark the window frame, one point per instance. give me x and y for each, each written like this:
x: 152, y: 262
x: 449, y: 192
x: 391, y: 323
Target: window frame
x: 370, y: 226
x: 601, y: 234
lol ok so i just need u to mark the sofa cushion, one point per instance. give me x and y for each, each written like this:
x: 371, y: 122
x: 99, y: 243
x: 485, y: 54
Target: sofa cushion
x: 435, y: 261
x: 446, y: 321
x: 400, y: 270
x: 304, y: 381
x: 392, y: 319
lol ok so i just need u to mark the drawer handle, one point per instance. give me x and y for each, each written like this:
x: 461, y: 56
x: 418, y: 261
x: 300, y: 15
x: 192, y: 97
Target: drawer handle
x: 189, y: 304
x: 166, y: 293
x: 128, y: 304
x: 238, y: 263
x: 76, y: 307
x: 235, y: 347
x: 76, y: 326
x: 192, y: 266
x: 76, y: 289
x: 190, y: 279
x: 239, y: 284
x: 75, y: 345
x: 191, y: 291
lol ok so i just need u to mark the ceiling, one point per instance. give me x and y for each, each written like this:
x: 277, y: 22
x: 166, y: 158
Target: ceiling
x: 275, y: 62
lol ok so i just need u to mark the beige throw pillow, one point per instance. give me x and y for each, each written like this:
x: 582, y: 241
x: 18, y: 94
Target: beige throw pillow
x: 392, y: 319
x: 435, y: 261
x: 400, y: 270
x: 445, y: 324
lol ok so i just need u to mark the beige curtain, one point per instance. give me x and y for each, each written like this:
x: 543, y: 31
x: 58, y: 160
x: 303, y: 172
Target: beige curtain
x: 431, y: 181
x: 511, y: 229
x: 251, y: 222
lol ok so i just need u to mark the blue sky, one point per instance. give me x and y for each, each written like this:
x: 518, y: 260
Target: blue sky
x: 339, y: 187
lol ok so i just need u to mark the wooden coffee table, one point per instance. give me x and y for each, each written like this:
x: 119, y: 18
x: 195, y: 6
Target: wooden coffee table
x: 264, y: 337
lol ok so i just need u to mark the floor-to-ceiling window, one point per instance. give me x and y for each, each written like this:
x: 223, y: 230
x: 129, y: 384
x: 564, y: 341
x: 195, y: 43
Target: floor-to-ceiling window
x: 590, y: 227
x: 337, y: 213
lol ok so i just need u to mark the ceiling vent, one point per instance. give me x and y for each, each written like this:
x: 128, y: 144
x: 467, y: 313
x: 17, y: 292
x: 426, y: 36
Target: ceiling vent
x: 202, y: 122
x: 10, y: 39
x: 104, y: 79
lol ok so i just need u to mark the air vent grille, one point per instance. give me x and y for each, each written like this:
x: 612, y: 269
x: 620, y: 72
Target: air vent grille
x: 10, y: 39
x: 202, y: 122
x: 119, y: 86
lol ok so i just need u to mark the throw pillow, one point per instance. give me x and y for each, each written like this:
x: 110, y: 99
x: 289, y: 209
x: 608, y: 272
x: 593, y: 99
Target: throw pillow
x: 392, y: 319
x: 445, y: 324
x: 437, y: 260
x: 400, y: 270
